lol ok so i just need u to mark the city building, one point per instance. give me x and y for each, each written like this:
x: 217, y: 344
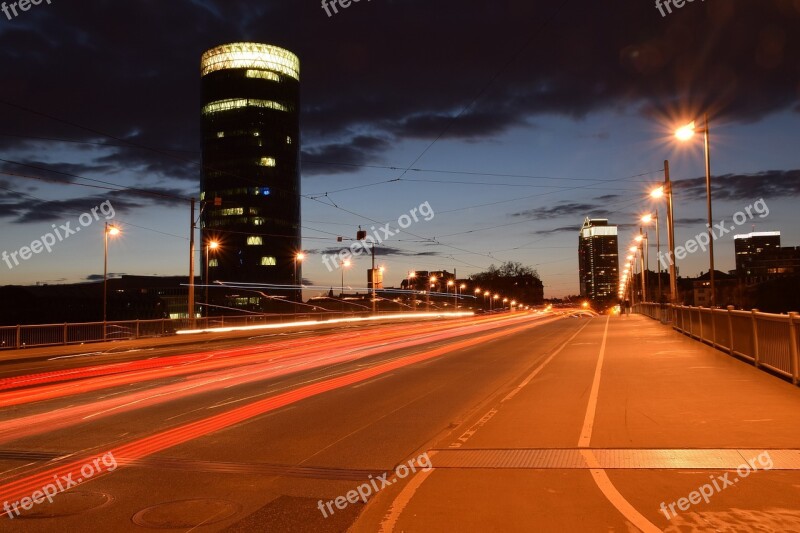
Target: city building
x: 750, y: 246
x: 598, y: 260
x: 250, y: 185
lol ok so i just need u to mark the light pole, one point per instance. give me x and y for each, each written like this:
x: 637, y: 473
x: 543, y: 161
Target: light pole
x: 684, y: 134
x: 633, y: 250
x: 641, y: 240
x: 452, y: 283
x: 113, y: 231
x: 495, y: 297
x: 647, y: 219
x: 344, y: 264
x: 660, y: 192
x: 413, y: 275
x: 298, y: 258
x: 431, y: 282
x: 463, y: 288
x: 210, y: 245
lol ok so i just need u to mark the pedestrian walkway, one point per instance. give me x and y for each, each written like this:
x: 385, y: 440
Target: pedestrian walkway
x: 628, y: 425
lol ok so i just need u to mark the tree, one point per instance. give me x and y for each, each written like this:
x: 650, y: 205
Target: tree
x: 514, y: 280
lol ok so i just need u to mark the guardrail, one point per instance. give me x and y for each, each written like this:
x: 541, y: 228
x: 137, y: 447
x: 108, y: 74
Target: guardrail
x: 28, y: 336
x: 767, y: 340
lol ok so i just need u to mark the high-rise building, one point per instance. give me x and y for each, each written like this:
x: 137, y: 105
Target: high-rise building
x: 751, y: 245
x: 598, y: 260
x: 250, y: 184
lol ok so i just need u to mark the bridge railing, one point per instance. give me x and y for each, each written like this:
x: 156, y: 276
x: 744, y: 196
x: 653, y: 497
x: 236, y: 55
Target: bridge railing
x: 28, y: 336
x: 767, y: 340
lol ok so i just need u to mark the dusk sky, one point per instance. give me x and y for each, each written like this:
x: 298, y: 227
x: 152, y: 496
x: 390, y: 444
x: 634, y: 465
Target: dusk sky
x: 514, y: 120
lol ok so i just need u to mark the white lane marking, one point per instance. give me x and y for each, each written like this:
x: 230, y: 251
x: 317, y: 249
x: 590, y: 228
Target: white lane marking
x: 540, y: 367
x: 404, y: 498
x: 611, y: 493
x: 599, y: 475
x: 372, y: 381
x: 588, y: 421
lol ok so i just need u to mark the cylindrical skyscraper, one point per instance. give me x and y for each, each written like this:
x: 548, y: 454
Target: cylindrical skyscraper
x: 250, y: 184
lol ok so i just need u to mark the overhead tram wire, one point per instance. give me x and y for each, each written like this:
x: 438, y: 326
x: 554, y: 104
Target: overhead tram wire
x: 166, y: 154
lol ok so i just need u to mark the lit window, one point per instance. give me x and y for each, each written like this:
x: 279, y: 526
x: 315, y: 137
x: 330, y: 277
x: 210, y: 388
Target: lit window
x: 232, y: 211
x: 261, y: 191
x: 252, y: 211
x: 250, y: 56
x: 263, y: 74
x: 213, y: 263
x: 258, y: 221
x: 256, y: 133
x: 255, y: 240
x: 288, y: 140
x: 266, y: 162
x: 220, y: 134
x: 238, y: 103
x: 268, y: 261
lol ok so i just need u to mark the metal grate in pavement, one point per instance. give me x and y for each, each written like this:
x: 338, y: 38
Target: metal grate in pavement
x: 609, y: 459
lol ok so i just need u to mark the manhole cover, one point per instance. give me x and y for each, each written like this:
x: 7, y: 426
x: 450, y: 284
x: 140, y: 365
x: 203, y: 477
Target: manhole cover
x: 68, y: 504
x: 185, y: 513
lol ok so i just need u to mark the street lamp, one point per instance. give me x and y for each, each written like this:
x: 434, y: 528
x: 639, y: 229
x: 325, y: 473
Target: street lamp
x: 685, y: 133
x: 463, y: 287
x: 345, y: 264
x: 298, y: 295
x: 412, y: 292
x: 645, y: 248
x: 647, y: 219
x: 661, y: 192
x: 210, y: 245
x: 113, y: 231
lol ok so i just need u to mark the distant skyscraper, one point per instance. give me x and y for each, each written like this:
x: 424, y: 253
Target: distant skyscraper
x: 598, y: 260
x: 251, y: 175
x: 750, y: 245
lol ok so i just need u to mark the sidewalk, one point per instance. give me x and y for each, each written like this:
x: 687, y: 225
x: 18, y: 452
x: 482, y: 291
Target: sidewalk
x: 671, y: 415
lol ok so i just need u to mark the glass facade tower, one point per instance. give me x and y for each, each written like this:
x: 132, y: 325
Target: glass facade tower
x: 250, y: 185
x: 598, y: 260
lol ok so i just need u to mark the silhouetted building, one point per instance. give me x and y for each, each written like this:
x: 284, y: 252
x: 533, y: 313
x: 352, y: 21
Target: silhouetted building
x: 250, y: 178
x: 750, y: 246
x: 598, y: 260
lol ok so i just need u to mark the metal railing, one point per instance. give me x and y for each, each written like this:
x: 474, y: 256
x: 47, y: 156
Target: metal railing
x: 28, y: 336
x: 767, y: 340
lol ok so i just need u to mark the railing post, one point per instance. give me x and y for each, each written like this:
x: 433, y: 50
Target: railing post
x: 65, y: 333
x: 137, y: 329
x: 795, y: 363
x: 700, y: 319
x: 756, y: 357
x: 713, y: 328
x: 19, y: 336
x: 730, y: 330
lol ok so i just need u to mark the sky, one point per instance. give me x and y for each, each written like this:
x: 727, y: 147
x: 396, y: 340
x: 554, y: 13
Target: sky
x: 513, y: 120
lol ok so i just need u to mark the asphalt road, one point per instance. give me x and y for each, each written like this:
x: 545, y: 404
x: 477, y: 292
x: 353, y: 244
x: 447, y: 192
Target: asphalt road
x: 498, y: 423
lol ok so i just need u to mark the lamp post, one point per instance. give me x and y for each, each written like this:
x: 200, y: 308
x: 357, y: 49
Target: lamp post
x: 463, y: 287
x: 413, y: 292
x: 661, y: 192
x: 495, y: 297
x: 210, y: 245
x: 345, y: 264
x: 298, y: 295
x: 685, y: 133
x: 451, y: 283
x: 642, y: 240
x: 431, y: 283
x: 113, y: 231
x: 647, y: 219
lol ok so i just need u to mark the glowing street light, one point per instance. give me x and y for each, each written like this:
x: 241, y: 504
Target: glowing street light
x: 685, y: 133
x: 113, y: 231
x: 210, y: 245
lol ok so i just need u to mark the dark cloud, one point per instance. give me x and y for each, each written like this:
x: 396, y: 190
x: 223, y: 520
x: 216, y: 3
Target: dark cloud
x: 340, y: 157
x: 743, y: 187
x: 496, y: 65
x: 381, y: 251
x: 561, y: 210
x: 25, y: 209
